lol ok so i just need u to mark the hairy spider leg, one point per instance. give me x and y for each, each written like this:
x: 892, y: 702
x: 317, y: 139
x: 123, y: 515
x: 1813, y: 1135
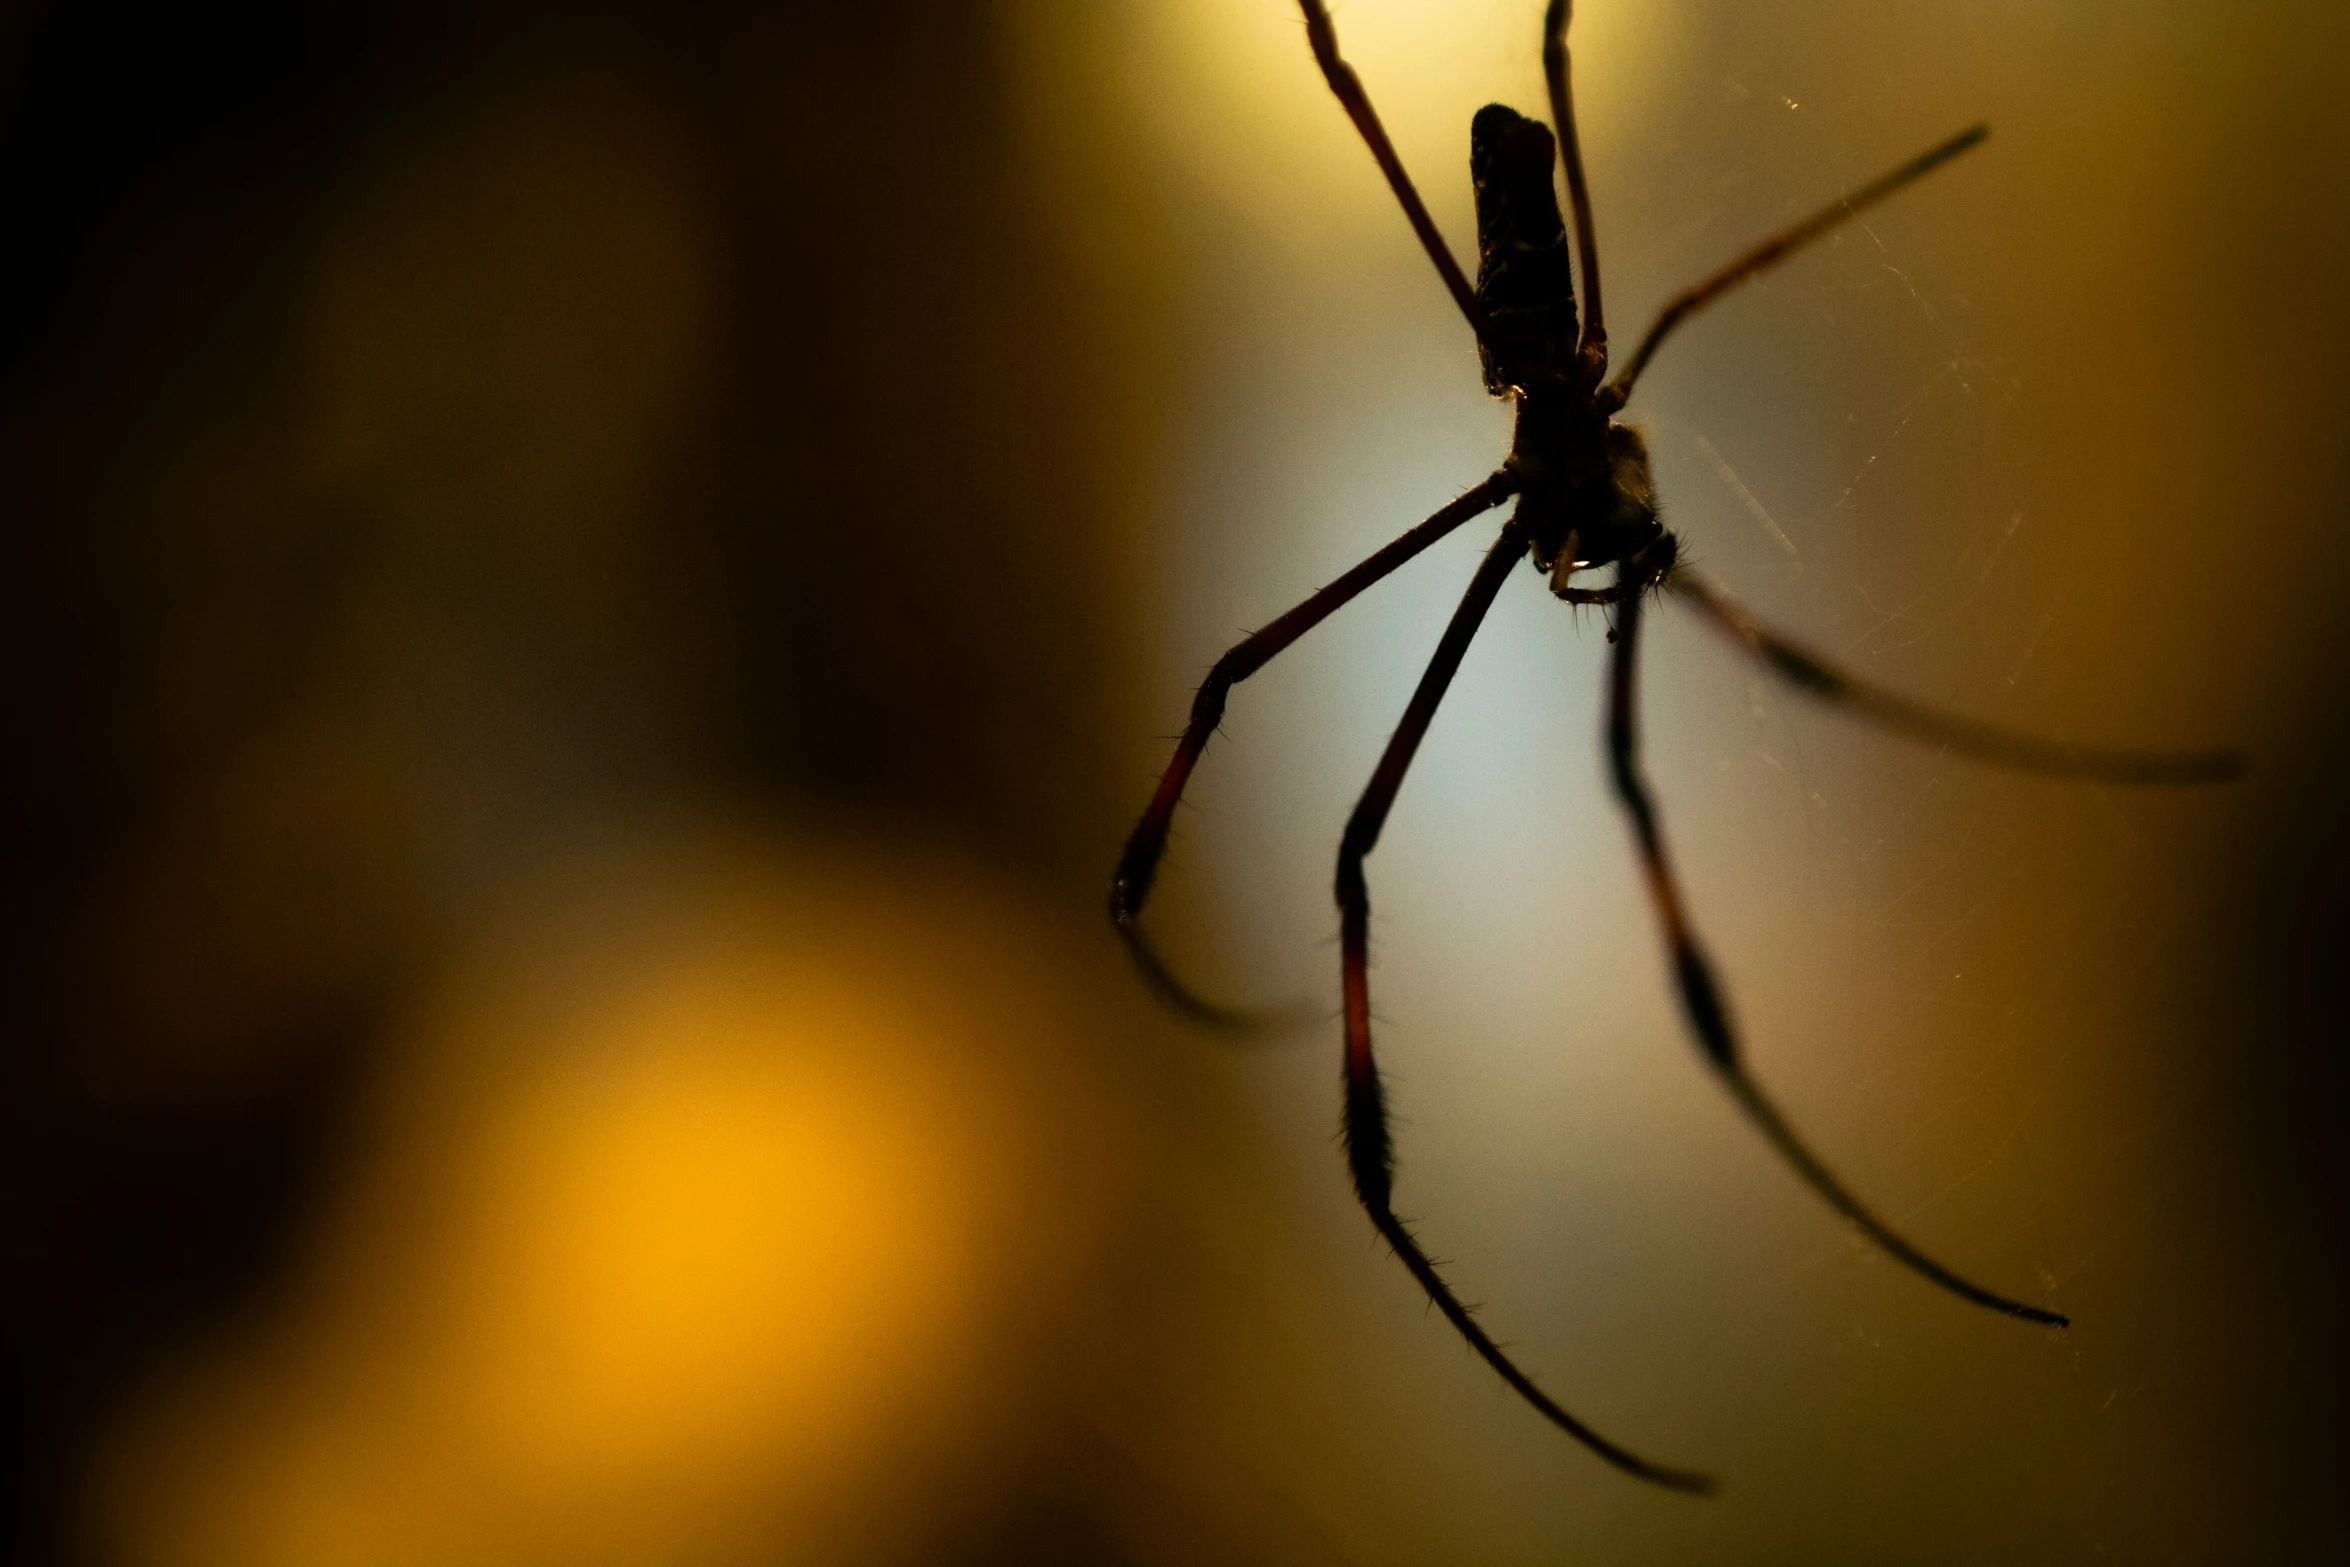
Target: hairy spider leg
x: 1370, y: 1151
x: 1558, y: 75
x: 1817, y: 678
x: 1323, y: 36
x: 1778, y: 248
x: 1701, y: 996
x: 1138, y: 866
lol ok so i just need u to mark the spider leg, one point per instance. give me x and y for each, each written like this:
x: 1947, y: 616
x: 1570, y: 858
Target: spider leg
x: 1369, y: 1149
x: 1814, y: 676
x: 1701, y: 997
x: 1778, y: 248
x: 1138, y: 866
x: 1557, y: 73
x: 1349, y: 88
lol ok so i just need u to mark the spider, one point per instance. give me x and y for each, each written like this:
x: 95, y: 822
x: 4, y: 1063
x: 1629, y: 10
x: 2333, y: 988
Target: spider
x: 1584, y: 502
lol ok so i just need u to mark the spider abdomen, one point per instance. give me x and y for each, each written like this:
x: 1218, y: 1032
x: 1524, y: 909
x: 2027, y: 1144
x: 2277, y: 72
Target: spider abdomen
x: 1524, y: 279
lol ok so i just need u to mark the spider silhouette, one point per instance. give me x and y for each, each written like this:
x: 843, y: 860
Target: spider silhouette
x: 1584, y: 502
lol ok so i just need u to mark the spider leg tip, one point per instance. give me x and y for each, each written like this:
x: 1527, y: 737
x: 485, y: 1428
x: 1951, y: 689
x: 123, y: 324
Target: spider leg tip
x: 1689, y: 1482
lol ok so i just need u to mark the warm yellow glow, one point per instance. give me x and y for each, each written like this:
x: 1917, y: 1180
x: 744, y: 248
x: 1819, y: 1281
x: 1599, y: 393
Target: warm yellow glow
x: 664, y: 1241
x: 725, y: 1237
x: 1233, y: 92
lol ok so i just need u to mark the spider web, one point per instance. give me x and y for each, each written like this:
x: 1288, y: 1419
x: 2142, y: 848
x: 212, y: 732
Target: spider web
x: 1964, y: 986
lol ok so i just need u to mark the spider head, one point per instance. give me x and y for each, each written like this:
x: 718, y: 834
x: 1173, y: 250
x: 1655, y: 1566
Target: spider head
x: 1598, y: 512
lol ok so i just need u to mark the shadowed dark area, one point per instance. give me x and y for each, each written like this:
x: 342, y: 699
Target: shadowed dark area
x: 857, y: 584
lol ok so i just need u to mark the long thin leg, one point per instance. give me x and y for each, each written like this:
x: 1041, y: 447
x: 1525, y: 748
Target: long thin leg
x: 1138, y: 866
x: 1558, y: 72
x: 1349, y: 88
x: 1701, y: 997
x: 1814, y: 676
x: 1369, y: 1150
x: 1778, y: 248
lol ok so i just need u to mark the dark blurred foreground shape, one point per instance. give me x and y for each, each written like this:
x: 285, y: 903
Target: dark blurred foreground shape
x: 436, y: 436
x: 571, y: 584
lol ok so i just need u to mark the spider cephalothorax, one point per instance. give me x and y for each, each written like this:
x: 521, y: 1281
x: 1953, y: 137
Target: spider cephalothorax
x: 1599, y: 513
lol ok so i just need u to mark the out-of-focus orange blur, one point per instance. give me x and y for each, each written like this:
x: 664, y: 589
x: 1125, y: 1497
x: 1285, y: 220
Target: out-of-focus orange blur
x: 594, y: 590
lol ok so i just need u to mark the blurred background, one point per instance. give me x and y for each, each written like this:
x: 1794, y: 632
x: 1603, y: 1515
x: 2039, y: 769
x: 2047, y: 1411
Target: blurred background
x: 592, y: 592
